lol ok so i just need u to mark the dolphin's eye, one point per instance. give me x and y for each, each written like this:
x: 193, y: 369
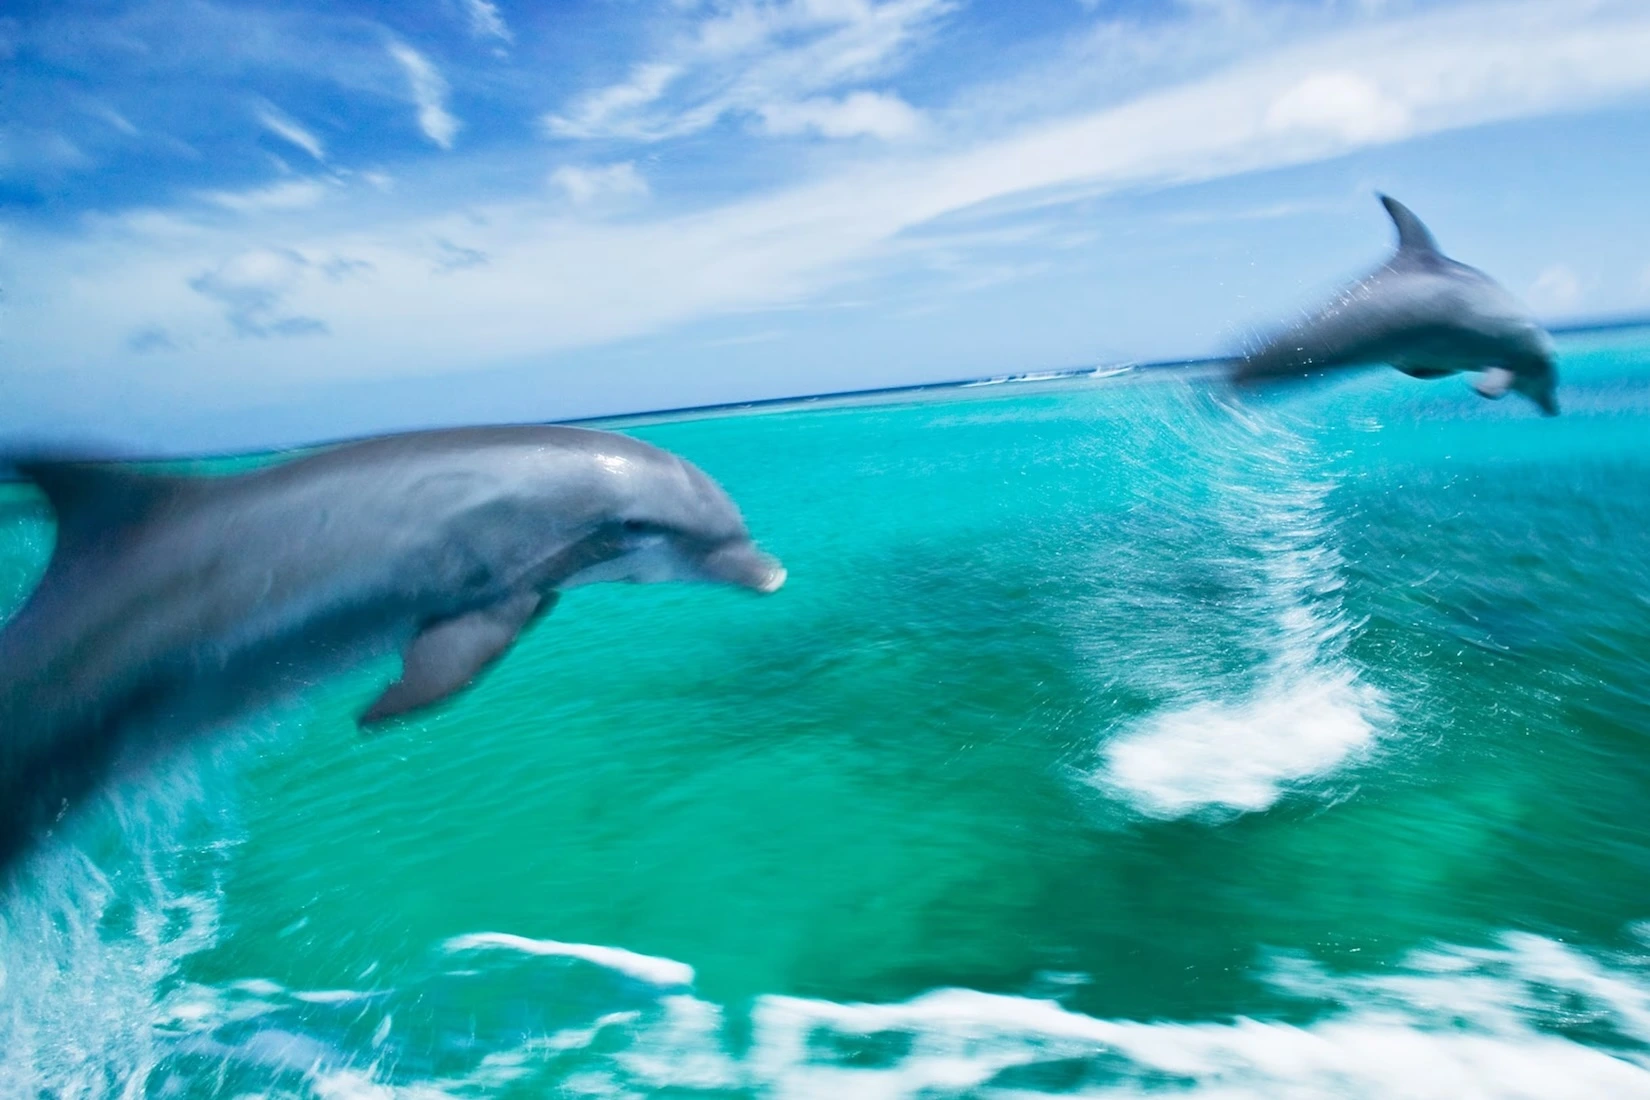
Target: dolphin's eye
x: 641, y: 527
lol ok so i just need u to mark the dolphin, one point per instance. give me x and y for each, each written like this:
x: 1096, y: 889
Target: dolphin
x: 1426, y: 315
x: 173, y: 604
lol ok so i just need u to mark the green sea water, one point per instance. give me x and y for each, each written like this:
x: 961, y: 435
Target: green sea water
x: 1112, y: 736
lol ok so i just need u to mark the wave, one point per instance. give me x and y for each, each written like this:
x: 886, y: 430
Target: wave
x: 1455, y: 1023
x: 1526, y: 1017
x: 647, y: 968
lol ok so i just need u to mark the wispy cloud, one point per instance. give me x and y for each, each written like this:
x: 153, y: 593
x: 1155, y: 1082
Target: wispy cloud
x: 870, y: 114
x: 252, y: 288
x: 454, y: 257
x: 1558, y: 289
x: 288, y: 195
x: 762, y: 60
x: 621, y: 110
x: 1348, y: 104
x: 52, y: 151
x: 116, y: 119
x: 486, y: 21
x: 586, y: 185
x: 1264, y: 212
x: 149, y: 339
x: 429, y: 93
x: 289, y: 131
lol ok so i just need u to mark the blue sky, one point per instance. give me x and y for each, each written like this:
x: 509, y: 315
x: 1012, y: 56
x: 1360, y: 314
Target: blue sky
x: 229, y: 224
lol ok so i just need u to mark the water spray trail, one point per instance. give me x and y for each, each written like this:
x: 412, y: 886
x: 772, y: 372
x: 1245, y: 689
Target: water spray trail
x: 1305, y: 711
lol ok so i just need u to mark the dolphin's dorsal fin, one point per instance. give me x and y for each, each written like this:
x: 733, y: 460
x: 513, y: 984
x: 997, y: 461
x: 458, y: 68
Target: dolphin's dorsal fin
x: 92, y: 498
x: 1414, y: 238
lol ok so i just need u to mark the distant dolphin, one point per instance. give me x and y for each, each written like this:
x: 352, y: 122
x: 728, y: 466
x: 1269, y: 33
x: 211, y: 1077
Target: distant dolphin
x: 173, y: 604
x: 1426, y: 315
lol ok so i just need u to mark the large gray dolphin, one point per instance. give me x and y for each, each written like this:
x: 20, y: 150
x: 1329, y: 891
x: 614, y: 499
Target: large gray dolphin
x: 1425, y: 314
x: 174, y: 604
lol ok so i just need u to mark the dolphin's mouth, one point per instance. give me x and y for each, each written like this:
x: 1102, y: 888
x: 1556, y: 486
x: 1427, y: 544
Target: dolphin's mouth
x: 746, y: 566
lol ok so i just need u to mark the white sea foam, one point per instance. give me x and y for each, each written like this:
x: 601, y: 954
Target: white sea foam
x: 1242, y: 756
x: 647, y: 968
x: 1451, y: 1023
x: 1494, y: 1023
x: 330, y: 996
x: 964, y: 1040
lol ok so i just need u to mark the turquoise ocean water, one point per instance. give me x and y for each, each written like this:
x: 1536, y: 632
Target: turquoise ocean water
x: 1111, y: 738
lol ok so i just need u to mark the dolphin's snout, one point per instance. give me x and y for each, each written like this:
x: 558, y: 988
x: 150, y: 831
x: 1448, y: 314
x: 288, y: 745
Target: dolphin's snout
x: 746, y: 566
x: 1538, y: 380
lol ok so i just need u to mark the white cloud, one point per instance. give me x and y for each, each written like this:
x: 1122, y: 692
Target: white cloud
x: 552, y: 281
x: 452, y: 257
x: 1342, y: 104
x: 756, y: 59
x: 116, y: 119
x: 290, y: 195
x: 862, y: 113
x: 587, y: 185
x: 599, y: 113
x: 486, y: 22
x: 37, y: 149
x: 1556, y: 289
x: 252, y: 287
x: 429, y: 93
x: 287, y: 130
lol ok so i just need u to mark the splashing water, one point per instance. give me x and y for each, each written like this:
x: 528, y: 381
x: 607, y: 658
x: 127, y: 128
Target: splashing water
x: 93, y: 931
x: 1307, y: 711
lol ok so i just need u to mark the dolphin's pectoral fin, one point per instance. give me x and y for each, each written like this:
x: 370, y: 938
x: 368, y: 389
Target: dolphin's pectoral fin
x: 1494, y: 382
x: 447, y: 655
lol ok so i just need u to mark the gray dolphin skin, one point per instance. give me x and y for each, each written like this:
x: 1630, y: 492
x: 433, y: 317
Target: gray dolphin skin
x: 1424, y: 314
x: 175, y: 604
